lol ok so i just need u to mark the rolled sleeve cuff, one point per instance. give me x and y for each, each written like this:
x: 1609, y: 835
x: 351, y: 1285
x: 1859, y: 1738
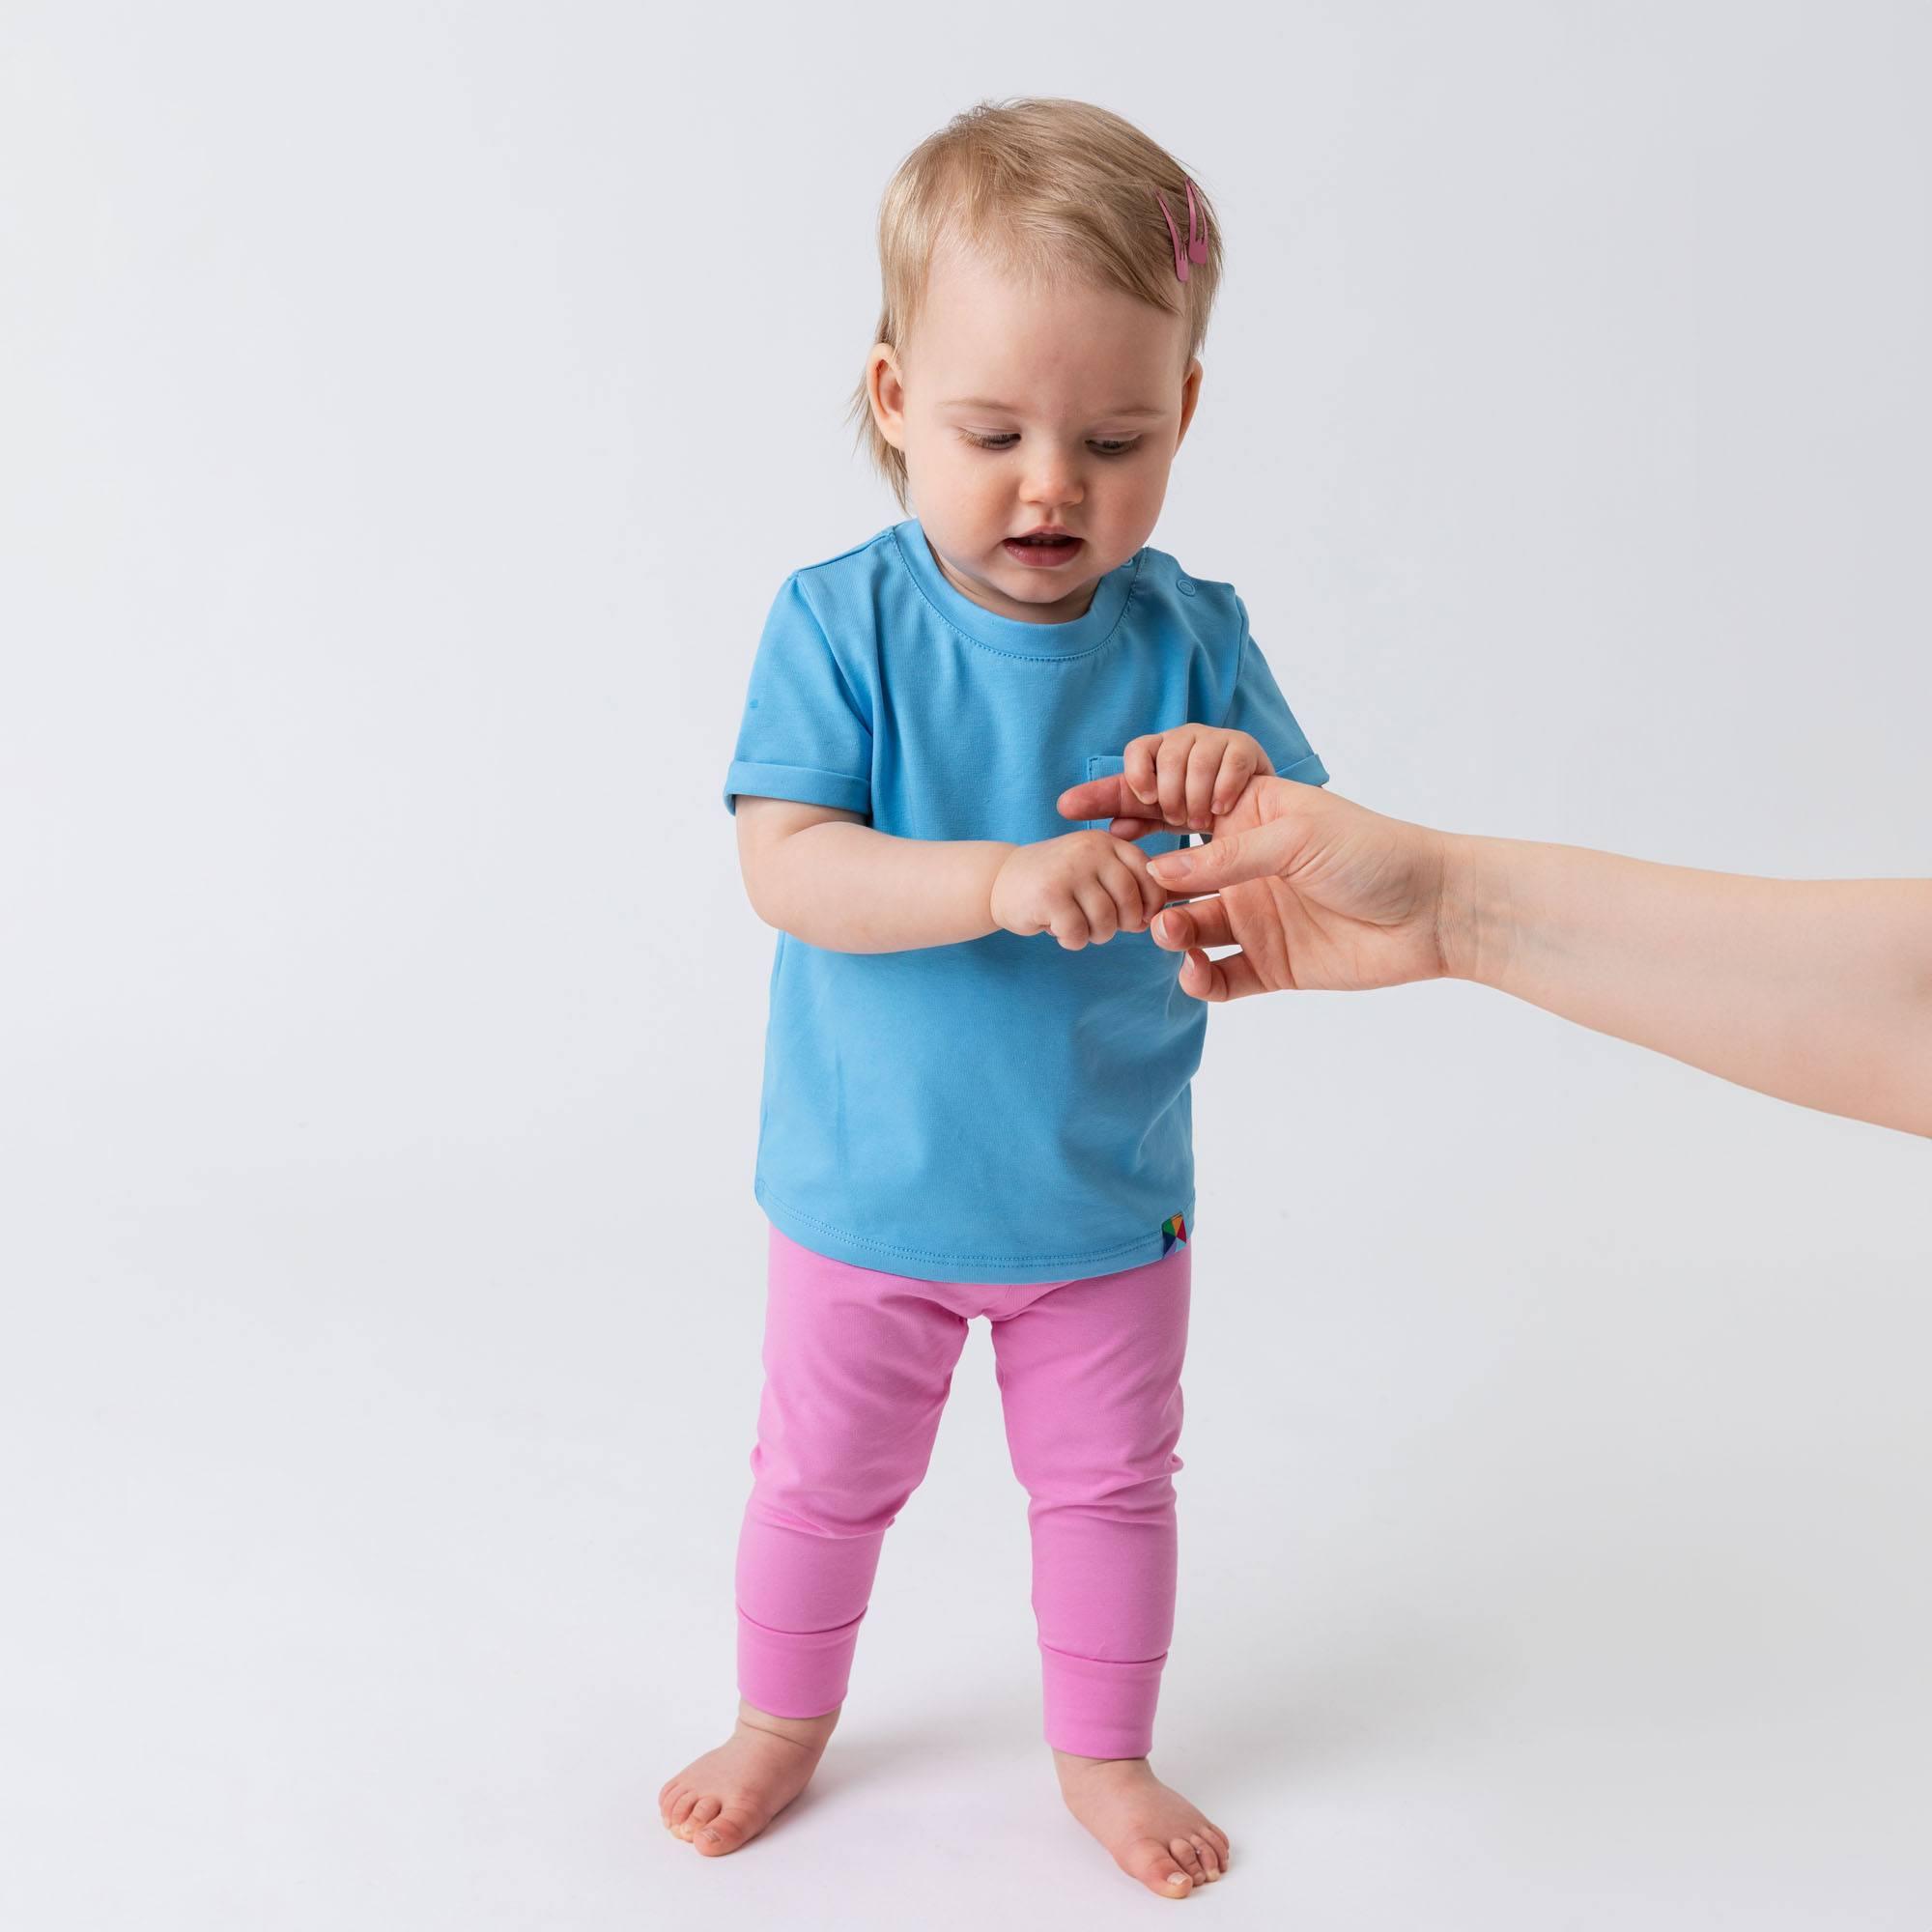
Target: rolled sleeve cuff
x: 1308, y: 770
x: 799, y: 782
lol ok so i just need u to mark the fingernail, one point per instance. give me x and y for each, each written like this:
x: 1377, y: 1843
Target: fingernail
x: 1171, y: 866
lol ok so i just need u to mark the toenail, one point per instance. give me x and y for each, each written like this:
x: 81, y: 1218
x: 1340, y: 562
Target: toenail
x: 1177, y: 1878
x: 710, y: 1837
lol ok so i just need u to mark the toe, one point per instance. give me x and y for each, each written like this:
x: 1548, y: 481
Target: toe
x: 1210, y: 1859
x: 700, y: 1814
x: 1188, y: 1859
x: 723, y: 1833
x: 680, y: 1810
x: 1154, y: 1865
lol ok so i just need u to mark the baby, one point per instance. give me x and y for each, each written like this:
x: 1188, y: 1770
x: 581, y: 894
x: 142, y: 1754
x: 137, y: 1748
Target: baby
x: 975, y: 1097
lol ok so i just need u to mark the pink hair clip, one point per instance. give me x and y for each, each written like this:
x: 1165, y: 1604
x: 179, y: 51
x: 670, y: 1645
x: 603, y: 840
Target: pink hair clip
x: 1196, y: 244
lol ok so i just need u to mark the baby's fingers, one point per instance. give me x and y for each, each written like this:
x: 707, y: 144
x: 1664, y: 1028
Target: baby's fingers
x: 1068, y: 923
x: 1175, y: 750
x: 1241, y: 761
x: 1129, y: 886
x: 1096, y: 903
x: 1148, y: 894
x: 1141, y: 773
x: 1205, y: 764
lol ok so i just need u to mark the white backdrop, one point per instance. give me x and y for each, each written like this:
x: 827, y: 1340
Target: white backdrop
x: 406, y: 416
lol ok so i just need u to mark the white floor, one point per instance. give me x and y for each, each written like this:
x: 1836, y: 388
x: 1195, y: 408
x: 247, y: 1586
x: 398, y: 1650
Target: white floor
x: 369, y: 1543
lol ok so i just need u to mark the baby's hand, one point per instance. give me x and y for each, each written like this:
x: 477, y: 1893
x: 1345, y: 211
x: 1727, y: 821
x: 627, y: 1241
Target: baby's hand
x: 1193, y: 774
x: 1083, y: 886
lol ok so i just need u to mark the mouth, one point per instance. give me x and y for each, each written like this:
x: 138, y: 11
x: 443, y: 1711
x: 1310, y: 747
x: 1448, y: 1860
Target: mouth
x: 1044, y: 549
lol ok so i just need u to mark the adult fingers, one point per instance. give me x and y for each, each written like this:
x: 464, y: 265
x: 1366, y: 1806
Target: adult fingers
x: 1179, y: 928
x: 1099, y: 798
x: 1232, y: 977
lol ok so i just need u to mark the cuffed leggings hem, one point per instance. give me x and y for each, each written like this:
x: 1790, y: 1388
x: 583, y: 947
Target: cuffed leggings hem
x: 795, y: 1673
x: 1097, y: 1708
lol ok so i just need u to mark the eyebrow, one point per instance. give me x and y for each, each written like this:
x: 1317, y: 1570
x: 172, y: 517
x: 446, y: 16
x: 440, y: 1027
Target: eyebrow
x: 1007, y: 409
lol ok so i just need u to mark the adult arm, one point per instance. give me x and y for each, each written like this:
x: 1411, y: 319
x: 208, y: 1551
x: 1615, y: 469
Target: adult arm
x: 1816, y: 991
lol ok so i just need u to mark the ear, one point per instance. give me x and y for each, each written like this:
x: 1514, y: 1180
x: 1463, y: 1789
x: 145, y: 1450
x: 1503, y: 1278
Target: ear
x: 885, y: 389
x: 1190, y: 394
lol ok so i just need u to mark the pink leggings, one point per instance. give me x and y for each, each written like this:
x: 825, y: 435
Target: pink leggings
x: 856, y: 1368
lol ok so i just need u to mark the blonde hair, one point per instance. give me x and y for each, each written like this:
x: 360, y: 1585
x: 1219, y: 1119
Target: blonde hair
x: 1048, y: 189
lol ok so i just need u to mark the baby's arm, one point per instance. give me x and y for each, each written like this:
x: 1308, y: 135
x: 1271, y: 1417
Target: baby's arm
x: 827, y: 877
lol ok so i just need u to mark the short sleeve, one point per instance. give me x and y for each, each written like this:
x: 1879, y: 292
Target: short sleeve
x: 805, y: 733
x: 1261, y: 711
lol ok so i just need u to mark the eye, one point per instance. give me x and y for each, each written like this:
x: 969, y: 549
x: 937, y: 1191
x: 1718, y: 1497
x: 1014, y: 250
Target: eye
x: 1103, y: 446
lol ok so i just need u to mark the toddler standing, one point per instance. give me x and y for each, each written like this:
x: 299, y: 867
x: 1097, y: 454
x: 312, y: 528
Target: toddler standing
x: 978, y: 1065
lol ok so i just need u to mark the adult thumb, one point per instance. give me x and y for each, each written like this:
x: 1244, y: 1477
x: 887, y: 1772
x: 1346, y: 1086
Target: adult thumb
x: 1227, y: 861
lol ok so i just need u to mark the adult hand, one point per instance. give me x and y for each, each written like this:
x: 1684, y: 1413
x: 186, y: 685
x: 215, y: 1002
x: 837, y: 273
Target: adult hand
x: 1815, y: 991
x: 1319, y: 893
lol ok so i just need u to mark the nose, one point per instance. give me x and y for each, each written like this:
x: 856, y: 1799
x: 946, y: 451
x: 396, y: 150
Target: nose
x: 1051, y: 481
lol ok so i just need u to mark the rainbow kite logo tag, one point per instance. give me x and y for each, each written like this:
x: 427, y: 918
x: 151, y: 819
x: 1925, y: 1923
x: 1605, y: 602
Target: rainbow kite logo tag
x: 1172, y: 1234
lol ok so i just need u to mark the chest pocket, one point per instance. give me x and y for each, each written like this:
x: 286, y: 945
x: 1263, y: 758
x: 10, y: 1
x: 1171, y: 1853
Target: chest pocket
x: 1102, y: 766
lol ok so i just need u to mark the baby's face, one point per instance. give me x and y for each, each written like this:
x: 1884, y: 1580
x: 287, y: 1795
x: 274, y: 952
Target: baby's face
x: 1017, y: 407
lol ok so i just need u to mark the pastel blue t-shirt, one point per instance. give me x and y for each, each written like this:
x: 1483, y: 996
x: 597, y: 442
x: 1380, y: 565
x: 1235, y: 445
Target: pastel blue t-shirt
x: 1002, y: 1110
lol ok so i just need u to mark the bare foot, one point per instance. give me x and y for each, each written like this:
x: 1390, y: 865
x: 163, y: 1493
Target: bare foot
x: 729, y: 1795
x: 1155, y: 1834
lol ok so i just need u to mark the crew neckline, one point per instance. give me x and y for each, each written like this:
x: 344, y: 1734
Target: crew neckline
x: 1010, y: 635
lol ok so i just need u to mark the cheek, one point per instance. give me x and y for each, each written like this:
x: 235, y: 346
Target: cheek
x: 970, y: 483
x: 1140, y: 495
x: 949, y: 496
